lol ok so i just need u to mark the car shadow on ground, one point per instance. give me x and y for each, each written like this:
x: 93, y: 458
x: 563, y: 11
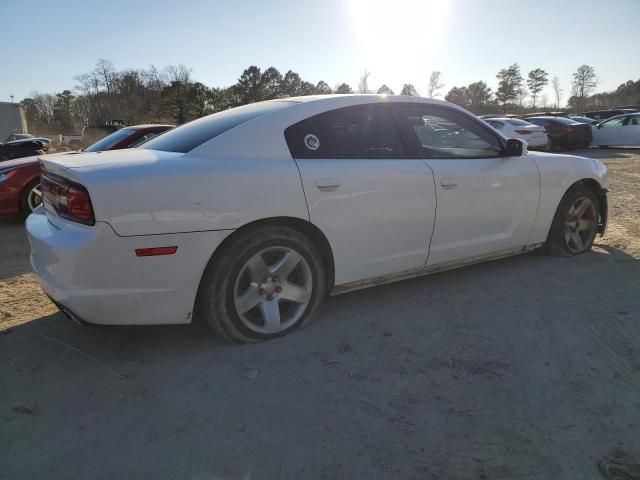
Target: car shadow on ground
x: 500, y: 369
x: 14, y: 247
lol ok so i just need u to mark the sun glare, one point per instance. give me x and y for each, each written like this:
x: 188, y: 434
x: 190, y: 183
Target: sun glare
x: 396, y: 37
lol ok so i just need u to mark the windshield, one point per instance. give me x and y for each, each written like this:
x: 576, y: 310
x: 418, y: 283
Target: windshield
x: 110, y: 141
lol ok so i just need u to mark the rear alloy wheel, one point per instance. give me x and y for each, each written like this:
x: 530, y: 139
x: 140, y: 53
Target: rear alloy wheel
x: 265, y: 283
x: 273, y: 290
x: 31, y: 197
x: 576, y: 223
x: 549, y: 146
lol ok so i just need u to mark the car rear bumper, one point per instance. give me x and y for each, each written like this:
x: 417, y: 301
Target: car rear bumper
x: 95, y: 275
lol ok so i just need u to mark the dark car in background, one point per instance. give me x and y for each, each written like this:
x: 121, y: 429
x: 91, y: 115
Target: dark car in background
x: 22, y: 148
x: 20, y: 178
x: 564, y: 132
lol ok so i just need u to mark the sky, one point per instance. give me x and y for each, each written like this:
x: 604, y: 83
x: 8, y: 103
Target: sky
x: 398, y: 41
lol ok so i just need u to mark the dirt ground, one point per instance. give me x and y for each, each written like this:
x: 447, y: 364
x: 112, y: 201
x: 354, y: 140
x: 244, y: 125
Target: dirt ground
x: 524, y: 368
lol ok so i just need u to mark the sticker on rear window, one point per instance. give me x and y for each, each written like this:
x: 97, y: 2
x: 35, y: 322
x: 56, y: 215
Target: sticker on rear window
x: 311, y: 141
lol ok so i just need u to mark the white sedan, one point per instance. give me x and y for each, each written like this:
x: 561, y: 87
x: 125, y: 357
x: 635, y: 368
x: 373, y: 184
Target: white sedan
x: 248, y: 218
x: 534, y: 135
x: 619, y: 131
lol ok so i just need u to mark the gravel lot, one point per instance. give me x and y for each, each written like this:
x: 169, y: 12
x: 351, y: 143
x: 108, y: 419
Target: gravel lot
x: 525, y: 368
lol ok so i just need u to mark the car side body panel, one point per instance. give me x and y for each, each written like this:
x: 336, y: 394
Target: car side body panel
x: 20, y: 174
x: 144, y: 192
x: 377, y: 214
x: 484, y: 206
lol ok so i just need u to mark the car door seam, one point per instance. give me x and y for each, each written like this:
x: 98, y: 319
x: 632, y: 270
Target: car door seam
x: 535, y: 220
x: 304, y: 193
x: 435, y: 211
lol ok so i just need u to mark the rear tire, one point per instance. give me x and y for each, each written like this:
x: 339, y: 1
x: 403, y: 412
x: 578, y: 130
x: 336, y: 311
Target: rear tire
x: 31, y: 197
x: 575, y: 223
x: 265, y: 284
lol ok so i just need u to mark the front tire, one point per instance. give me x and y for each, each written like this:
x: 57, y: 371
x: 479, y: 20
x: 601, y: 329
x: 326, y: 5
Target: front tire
x: 266, y: 283
x: 575, y: 223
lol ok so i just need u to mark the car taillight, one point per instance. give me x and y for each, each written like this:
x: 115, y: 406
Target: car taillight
x: 69, y: 199
x: 523, y: 132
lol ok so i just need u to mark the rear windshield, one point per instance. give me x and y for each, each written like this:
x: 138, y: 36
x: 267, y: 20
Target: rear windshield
x: 110, y: 141
x: 565, y: 121
x: 193, y: 134
x: 518, y: 123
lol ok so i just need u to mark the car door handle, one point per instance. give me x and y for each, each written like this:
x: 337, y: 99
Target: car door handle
x: 448, y: 183
x: 327, y: 184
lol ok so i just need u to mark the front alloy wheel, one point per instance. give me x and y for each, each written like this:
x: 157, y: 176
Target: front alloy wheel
x: 580, y: 225
x: 575, y: 224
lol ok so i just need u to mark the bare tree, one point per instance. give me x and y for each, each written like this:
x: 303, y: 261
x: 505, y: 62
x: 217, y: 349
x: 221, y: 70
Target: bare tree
x: 521, y: 95
x: 363, y: 86
x: 434, y: 84
x: 105, y: 72
x: 557, y: 90
x: 178, y: 73
x: 584, y: 82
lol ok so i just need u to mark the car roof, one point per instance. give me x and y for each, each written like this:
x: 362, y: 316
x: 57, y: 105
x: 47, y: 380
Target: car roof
x: 360, y: 98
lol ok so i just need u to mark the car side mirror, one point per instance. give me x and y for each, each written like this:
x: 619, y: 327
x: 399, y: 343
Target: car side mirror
x: 514, y: 148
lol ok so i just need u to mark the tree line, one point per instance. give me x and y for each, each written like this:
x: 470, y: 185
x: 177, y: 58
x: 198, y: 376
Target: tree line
x: 171, y: 95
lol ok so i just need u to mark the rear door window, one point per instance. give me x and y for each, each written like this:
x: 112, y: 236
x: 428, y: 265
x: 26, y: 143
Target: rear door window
x: 364, y: 131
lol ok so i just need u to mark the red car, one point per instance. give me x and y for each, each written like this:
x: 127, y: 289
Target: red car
x: 20, y: 178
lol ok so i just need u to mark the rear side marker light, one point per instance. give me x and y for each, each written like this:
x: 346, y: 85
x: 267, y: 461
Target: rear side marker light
x: 523, y: 132
x: 154, y: 251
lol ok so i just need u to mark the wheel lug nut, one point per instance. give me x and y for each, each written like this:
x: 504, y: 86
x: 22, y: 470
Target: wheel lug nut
x: 261, y: 291
x: 278, y: 289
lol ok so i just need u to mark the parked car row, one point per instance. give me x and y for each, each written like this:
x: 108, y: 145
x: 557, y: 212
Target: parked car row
x: 559, y: 130
x: 20, y: 190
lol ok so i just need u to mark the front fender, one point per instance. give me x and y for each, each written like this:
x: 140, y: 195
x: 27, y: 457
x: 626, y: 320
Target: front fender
x: 557, y: 174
